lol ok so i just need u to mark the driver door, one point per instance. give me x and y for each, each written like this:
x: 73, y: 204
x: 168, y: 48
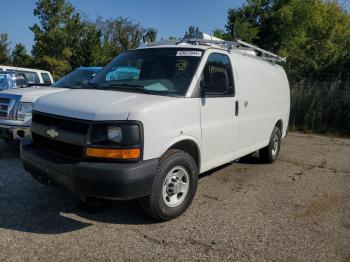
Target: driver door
x: 219, y: 120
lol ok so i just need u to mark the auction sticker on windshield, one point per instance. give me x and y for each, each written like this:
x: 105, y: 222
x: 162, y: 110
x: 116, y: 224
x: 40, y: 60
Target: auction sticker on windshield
x: 189, y: 53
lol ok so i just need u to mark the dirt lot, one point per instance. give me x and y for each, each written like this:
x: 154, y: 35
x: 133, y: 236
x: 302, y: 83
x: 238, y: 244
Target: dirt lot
x: 297, y: 209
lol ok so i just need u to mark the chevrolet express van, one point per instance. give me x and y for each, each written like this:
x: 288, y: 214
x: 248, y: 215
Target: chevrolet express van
x: 176, y: 111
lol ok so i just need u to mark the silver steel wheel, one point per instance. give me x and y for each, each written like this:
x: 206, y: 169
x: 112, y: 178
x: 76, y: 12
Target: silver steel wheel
x: 176, y: 186
x: 275, y: 143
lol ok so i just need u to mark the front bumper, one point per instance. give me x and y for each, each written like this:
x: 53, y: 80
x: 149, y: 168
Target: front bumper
x: 14, y: 132
x: 104, y: 180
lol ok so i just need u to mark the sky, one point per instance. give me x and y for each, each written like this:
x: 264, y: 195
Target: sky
x: 171, y: 18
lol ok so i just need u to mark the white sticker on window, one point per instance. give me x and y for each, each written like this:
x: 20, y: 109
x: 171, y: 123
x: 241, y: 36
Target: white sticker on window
x: 189, y: 53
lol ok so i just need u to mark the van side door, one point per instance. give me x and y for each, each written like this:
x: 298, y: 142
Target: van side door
x: 219, y: 119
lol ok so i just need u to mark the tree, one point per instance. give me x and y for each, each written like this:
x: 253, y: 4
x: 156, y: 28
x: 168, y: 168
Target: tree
x: 151, y: 33
x: 4, y: 49
x: 118, y: 35
x: 191, y: 32
x: 313, y: 34
x: 20, y: 57
x: 221, y: 34
x: 52, y: 49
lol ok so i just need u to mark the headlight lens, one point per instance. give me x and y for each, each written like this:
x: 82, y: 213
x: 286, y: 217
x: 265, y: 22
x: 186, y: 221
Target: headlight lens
x: 25, y: 111
x: 114, y: 134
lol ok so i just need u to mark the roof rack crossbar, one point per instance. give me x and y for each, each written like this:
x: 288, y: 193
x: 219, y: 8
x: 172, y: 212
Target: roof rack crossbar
x: 236, y: 45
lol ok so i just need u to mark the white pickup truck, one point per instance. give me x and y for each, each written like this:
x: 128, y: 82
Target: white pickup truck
x: 156, y: 117
x: 16, y: 104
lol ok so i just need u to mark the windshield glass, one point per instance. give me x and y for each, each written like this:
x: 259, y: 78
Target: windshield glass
x: 166, y: 71
x: 75, y: 79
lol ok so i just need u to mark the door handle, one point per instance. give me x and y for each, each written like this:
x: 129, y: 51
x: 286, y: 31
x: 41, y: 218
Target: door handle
x: 245, y: 103
x: 236, y: 108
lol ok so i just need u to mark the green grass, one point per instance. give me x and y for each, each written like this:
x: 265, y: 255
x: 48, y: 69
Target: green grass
x: 321, y: 107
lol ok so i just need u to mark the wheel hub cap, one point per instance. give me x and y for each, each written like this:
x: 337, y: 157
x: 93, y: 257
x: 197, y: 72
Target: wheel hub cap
x: 275, y: 142
x: 175, y: 188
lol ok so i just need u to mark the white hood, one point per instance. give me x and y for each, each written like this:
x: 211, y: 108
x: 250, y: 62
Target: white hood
x: 96, y: 105
x: 33, y: 93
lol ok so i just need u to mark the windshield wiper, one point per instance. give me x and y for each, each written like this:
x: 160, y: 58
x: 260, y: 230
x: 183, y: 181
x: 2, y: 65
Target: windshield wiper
x: 130, y: 87
x: 93, y: 86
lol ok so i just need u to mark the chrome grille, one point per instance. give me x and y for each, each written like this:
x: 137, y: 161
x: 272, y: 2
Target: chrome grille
x: 4, y: 107
x: 8, y: 106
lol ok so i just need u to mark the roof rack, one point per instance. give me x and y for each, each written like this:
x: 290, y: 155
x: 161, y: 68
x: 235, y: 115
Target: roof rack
x: 205, y: 39
x: 238, y: 45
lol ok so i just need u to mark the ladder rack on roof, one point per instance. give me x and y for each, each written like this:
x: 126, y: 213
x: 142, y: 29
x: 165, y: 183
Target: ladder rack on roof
x: 205, y: 39
x: 238, y: 44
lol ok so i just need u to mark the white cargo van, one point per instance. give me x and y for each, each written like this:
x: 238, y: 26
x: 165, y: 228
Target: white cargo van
x: 156, y: 117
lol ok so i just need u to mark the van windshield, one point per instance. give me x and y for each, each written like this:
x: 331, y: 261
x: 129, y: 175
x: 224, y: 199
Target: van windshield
x: 163, y: 71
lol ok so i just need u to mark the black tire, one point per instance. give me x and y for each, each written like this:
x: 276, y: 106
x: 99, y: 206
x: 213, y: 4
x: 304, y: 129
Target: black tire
x: 154, y: 204
x: 270, y: 153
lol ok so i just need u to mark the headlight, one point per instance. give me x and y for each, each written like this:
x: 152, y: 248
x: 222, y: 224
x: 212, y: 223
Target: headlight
x: 25, y: 110
x: 114, y: 134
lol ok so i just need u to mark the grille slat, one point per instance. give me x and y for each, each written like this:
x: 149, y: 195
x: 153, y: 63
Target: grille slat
x: 64, y: 125
x: 57, y: 147
x: 4, y: 106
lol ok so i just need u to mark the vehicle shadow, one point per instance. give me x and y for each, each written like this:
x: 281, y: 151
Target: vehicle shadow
x: 28, y: 206
x: 55, y: 211
x: 9, y: 150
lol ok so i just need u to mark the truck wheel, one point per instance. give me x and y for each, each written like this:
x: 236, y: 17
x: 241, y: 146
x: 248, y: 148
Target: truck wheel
x: 174, y: 186
x: 270, y: 153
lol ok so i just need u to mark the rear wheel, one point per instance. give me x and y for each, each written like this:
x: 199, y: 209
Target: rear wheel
x: 270, y: 153
x: 174, y: 186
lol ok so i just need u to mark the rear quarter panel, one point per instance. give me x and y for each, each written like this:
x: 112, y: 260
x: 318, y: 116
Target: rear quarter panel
x: 263, y: 91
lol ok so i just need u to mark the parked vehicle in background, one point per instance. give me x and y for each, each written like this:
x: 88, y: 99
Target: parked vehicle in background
x: 16, y: 105
x: 11, y: 80
x: 179, y: 110
x: 34, y: 76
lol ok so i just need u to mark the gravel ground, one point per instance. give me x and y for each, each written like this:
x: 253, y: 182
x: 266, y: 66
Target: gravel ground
x: 297, y: 209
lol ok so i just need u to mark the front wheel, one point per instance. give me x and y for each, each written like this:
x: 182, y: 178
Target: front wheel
x: 270, y: 153
x: 174, y: 186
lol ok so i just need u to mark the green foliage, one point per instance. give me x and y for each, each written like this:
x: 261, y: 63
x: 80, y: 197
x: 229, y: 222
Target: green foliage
x: 20, y: 57
x: 322, y: 107
x: 118, y: 35
x: 64, y: 40
x: 4, y: 50
x: 313, y: 34
x: 53, y: 36
x: 151, y: 33
x: 191, y: 32
x: 221, y: 34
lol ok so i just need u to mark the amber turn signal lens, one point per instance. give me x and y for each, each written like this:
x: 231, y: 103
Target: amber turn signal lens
x: 133, y: 153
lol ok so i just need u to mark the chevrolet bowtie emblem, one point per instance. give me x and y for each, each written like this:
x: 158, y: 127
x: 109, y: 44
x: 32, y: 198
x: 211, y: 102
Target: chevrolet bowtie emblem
x: 52, y: 132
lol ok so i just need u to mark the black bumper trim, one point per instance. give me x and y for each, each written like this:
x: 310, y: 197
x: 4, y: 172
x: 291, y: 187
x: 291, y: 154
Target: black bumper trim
x: 105, y: 180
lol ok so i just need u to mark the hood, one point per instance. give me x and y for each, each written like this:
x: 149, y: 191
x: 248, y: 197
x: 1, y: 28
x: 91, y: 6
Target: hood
x: 95, y: 105
x: 31, y: 94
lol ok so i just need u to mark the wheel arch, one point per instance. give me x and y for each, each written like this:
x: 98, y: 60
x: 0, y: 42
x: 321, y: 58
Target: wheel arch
x: 279, y: 124
x: 188, y: 145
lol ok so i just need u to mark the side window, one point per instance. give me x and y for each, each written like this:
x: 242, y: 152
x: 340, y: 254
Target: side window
x: 217, y: 78
x: 46, y: 78
x: 36, y: 78
x: 21, y: 81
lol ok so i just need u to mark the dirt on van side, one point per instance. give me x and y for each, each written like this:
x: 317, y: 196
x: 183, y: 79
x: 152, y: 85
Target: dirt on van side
x: 297, y: 209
